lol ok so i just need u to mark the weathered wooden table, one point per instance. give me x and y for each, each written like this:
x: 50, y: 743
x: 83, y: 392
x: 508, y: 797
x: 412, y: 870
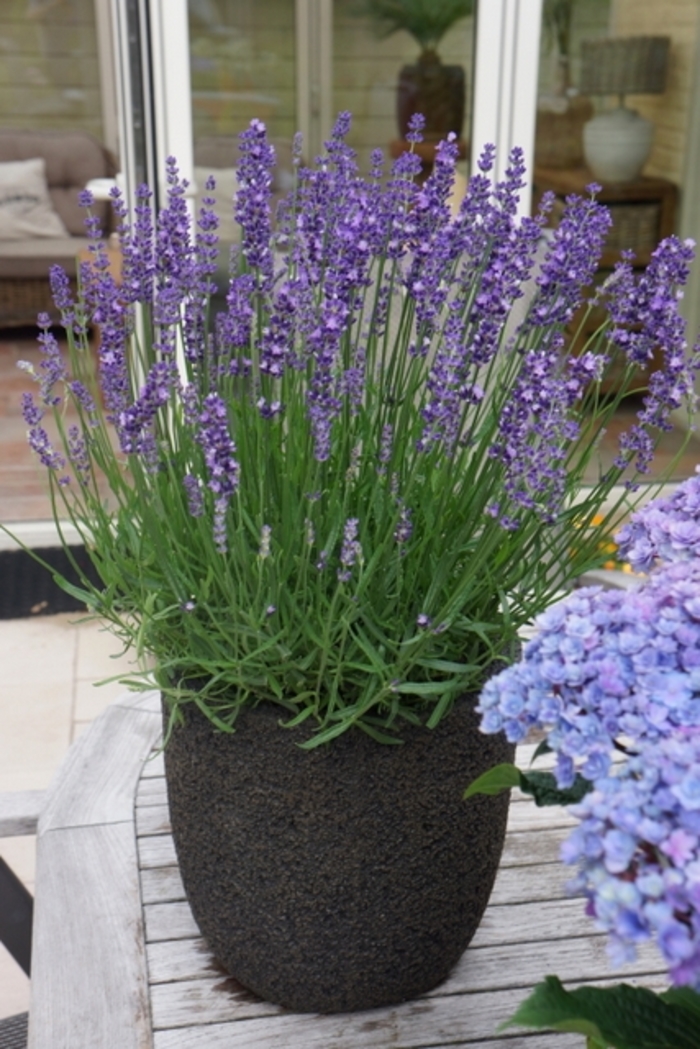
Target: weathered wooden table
x: 118, y: 962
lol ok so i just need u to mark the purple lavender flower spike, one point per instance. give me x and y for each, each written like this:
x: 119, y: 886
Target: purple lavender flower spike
x: 85, y: 399
x: 204, y: 264
x: 136, y: 421
x: 404, y: 526
x: 62, y: 296
x: 570, y: 262
x: 252, y: 200
x: 645, y: 317
x: 106, y: 308
x: 195, y: 497
x: 351, y: 550
x: 219, y: 456
x: 37, y: 436
x: 416, y: 125
x: 78, y: 455
x: 52, y: 366
x: 174, y: 256
x: 138, y: 247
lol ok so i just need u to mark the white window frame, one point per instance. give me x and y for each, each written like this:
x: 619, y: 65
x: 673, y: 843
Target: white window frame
x: 507, y: 52
x: 505, y: 82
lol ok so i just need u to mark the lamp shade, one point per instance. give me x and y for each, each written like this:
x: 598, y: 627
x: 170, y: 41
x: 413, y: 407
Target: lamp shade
x: 624, y: 65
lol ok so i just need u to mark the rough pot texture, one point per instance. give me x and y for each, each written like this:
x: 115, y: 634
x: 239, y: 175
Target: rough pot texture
x: 343, y: 878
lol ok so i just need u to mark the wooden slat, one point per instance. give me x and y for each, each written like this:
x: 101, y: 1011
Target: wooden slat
x: 179, y: 962
x: 19, y: 812
x: 89, y: 980
x: 522, y: 922
x: 169, y: 921
x: 541, y: 881
x: 469, y: 1021
x: 89, y: 977
x: 157, y: 851
x: 151, y: 792
x: 524, y: 848
x: 523, y: 815
x: 155, y: 766
x: 174, y: 960
x: 161, y: 885
x: 153, y: 819
x: 97, y: 781
x: 440, y: 1021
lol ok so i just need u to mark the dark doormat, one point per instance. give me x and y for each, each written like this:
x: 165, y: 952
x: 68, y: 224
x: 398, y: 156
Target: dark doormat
x: 27, y: 589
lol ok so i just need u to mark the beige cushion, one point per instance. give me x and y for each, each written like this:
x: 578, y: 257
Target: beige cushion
x: 25, y: 206
x: 27, y: 259
x: 72, y: 159
x: 229, y: 231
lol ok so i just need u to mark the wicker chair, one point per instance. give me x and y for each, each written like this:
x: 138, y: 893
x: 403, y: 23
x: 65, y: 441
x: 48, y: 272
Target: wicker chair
x: 19, y: 815
x: 72, y: 159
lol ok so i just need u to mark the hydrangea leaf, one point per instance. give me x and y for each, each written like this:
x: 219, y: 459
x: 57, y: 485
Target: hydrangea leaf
x: 622, y: 1017
x: 495, y: 781
x: 542, y: 786
x: 684, y: 997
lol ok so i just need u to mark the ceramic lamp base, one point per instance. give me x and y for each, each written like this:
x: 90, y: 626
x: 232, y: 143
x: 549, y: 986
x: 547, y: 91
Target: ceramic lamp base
x: 616, y: 145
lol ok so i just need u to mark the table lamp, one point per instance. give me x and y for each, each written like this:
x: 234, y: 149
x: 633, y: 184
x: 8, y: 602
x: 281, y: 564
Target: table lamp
x: 617, y: 143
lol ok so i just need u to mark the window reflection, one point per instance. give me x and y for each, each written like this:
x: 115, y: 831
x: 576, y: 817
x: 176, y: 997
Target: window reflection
x: 383, y: 76
x: 645, y: 205
x: 49, y: 70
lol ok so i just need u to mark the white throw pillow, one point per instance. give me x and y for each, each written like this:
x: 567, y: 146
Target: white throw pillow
x: 226, y: 185
x: 25, y: 205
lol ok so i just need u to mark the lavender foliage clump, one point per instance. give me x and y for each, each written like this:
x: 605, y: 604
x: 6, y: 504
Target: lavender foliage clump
x: 377, y: 429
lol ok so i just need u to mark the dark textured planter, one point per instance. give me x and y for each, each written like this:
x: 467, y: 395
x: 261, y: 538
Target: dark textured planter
x: 343, y: 878
x: 436, y: 91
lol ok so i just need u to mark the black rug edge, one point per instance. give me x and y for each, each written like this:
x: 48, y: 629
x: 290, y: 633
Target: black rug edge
x: 27, y: 589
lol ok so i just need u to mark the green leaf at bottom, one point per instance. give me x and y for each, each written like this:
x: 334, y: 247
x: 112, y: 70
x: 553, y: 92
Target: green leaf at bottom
x: 622, y: 1017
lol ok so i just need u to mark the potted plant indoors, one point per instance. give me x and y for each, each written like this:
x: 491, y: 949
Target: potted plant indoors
x: 428, y: 87
x: 325, y: 517
x: 613, y: 680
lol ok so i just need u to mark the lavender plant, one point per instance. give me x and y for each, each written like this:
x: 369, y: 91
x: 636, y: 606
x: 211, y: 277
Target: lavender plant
x: 613, y: 678
x: 346, y: 492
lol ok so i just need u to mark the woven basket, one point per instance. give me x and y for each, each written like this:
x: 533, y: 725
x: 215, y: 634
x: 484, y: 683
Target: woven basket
x: 21, y: 301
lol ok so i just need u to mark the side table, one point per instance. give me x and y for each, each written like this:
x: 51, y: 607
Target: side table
x: 118, y: 959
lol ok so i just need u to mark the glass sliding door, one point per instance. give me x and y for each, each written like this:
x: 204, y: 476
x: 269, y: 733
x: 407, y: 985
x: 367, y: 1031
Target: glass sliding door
x: 242, y: 65
x: 609, y: 71
x: 385, y: 69
x: 50, y: 73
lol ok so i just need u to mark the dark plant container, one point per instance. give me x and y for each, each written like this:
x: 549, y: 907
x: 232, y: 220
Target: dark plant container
x: 436, y: 91
x: 338, y: 879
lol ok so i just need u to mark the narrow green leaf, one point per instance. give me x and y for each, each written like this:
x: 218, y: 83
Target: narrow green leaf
x: 425, y: 688
x: 78, y: 592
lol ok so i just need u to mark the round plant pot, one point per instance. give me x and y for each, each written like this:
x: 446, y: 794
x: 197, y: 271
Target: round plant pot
x: 342, y: 878
x: 436, y: 91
